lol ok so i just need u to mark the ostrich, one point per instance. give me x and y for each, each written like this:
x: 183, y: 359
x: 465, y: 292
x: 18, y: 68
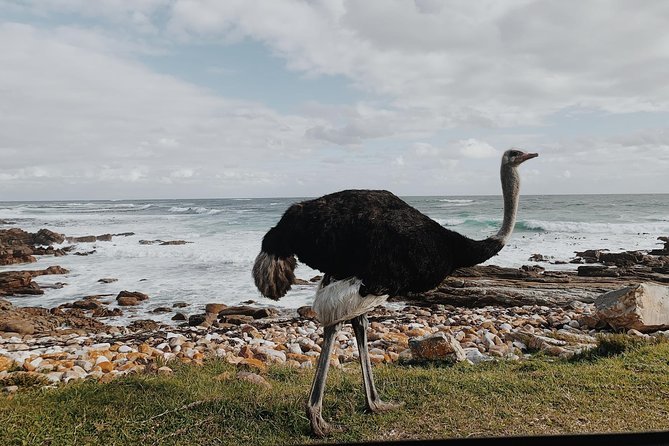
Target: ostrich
x: 369, y: 244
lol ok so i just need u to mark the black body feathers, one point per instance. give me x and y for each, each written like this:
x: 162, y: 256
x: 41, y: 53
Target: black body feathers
x: 370, y: 234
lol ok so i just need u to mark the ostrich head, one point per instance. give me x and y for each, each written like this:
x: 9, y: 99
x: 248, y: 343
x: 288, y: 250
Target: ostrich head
x: 514, y: 157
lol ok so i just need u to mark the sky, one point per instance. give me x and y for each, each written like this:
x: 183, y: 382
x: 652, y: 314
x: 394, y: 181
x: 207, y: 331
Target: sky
x: 137, y: 99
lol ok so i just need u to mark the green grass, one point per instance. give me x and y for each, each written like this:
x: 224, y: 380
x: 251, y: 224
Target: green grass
x: 620, y: 389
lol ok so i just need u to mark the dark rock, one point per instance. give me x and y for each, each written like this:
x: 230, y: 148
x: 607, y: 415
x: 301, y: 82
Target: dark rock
x: 180, y: 305
x: 163, y: 242
x: 143, y: 325
x: 214, y: 308
x: 127, y: 301
x: 201, y: 319
x: 628, y: 258
x: 297, y: 281
x: 237, y: 319
x: 597, y: 271
x: 47, y: 237
x: 22, y: 327
x: 538, y: 258
x: 161, y: 310
x: 179, y: 317
x: 6, y: 305
x: 106, y: 312
x: 83, y: 239
x: 107, y: 280
x: 104, y: 238
x: 85, y: 253
x: 124, y: 234
x: 86, y: 304
x: 174, y: 242
x: 135, y: 294
x: 316, y: 279
x: 256, y: 313
x: 307, y: 312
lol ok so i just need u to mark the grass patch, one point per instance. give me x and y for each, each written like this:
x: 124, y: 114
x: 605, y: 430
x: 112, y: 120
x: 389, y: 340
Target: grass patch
x: 627, y: 391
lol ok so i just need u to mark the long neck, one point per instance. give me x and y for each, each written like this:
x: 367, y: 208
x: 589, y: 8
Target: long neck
x: 474, y: 252
x: 510, y: 190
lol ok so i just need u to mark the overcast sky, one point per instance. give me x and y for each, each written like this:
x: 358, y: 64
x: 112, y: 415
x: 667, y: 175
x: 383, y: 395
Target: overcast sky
x: 113, y: 99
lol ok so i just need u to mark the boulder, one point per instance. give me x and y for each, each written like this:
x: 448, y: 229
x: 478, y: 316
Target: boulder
x: 436, y: 347
x: 255, y: 313
x: 205, y: 319
x: 47, y: 237
x: 127, y: 301
x: 643, y: 307
x: 17, y: 326
x: 214, y: 308
x: 136, y: 294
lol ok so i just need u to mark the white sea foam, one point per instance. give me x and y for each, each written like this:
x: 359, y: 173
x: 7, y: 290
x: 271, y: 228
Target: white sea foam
x: 576, y: 227
x: 454, y: 200
x: 226, y: 236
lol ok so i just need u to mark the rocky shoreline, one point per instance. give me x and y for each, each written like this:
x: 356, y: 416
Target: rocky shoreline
x: 478, y: 314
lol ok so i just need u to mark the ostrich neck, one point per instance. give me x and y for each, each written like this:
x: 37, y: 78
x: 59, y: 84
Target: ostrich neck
x: 473, y: 252
x: 510, y: 190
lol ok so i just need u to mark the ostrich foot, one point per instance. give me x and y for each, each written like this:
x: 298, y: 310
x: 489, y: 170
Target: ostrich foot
x: 319, y: 427
x: 379, y: 406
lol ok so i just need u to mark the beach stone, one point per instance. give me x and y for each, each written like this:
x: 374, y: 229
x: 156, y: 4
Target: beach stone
x: 136, y: 294
x: 475, y: 356
x: 252, y: 363
x: 127, y: 301
x: 107, y: 280
x: 203, y: 319
x: 271, y: 355
x: 161, y: 310
x: 143, y: 325
x: 237, y: 319
x: 5, y: 363
x: 253, y: 378
x: 255, y: 313
x: 164, y: 371
x: 17, y: 326
x: 643, y: 307
x: 214, y: 308
x: 179, y: 317
x: 307, y: 312
x: 438, y: 346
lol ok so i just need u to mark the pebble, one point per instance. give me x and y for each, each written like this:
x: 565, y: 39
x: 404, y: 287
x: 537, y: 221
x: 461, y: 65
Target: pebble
x: 484, y: 333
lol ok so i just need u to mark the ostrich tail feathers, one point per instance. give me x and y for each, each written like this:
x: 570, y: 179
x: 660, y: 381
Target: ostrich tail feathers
x: 274, y: 275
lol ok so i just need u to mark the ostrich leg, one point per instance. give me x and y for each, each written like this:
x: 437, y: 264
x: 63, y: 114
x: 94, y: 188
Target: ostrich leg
x: 374, y: 403
x: 318, y: 425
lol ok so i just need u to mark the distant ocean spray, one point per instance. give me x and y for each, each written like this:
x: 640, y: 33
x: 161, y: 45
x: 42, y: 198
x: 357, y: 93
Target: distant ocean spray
x: 226, y: 236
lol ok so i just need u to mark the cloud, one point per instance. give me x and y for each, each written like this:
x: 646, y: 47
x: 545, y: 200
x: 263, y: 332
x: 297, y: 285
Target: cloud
x: 501, y: 63
x: 438, y: 90
x: 473, y: 148
x: 98, y: 111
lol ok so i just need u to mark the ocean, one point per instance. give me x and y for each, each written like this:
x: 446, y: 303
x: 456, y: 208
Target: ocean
x: 225, y: 237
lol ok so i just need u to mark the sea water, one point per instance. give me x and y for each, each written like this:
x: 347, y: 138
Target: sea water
x: 224, y: 237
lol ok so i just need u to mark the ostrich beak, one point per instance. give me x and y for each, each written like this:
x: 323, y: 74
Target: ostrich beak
x: 527, y: 156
